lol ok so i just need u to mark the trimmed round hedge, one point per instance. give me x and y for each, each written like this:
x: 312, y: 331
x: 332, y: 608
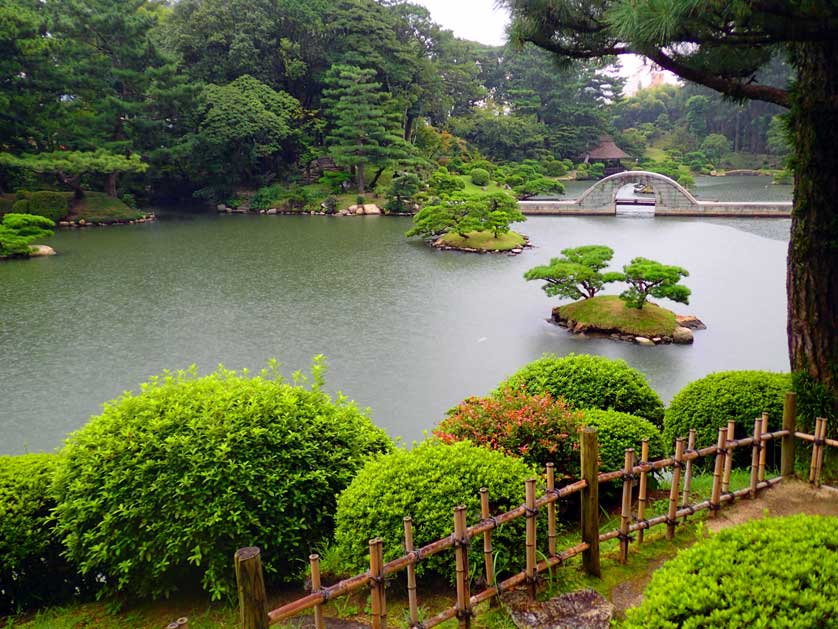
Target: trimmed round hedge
x: 779, y: 573
x: 479, y: 176
x: 707, y: 404
x: 160, y: 490
x: 426, y: 483
x: 32, y: 570
x: 586, y: 381
x: 617, y: 431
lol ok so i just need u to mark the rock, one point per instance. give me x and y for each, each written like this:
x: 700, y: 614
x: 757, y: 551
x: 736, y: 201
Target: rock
x: 657, y: 340
x: 642, y: 340
x: 342, y: 213
x: 682, y: 336
x: 583, y: 609
x: 371, y: 208
x: 666, y: 339
x: 82, y: 221
x: 690, y: 321
x: 221, y: 207
x: 63, y: 223
x: 36, y: 251
x: 516, y: 251
x: 272, y: 211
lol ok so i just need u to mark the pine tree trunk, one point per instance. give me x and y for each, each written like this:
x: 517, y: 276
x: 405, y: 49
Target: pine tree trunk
x: 812, y: 280
x: 378, y: 174
x: 361, y: 180
x: 110, y: 184
x: 74, y: 182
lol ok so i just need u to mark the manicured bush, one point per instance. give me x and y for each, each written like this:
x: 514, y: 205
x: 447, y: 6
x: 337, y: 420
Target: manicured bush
x: 479, y: 176
x: 766, y: 573
x: 46, y: 203
x: 590, y: 382
x: 32, y: 571
x: 443, y: 184
x: 426, y: 483
x: 708, y: 403
x: 553, y: 168
x: 617, y: 431
x: 538, y: 428
x: 159, y: 490
x: 17, y: 231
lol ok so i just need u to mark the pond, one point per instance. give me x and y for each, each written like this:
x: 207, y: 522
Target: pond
x: 407, y: 330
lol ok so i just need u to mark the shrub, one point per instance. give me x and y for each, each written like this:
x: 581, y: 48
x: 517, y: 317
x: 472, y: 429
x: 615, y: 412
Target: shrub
x: 161, y: 488
x: 554, y: 168
x: 46, y: 203
x: 708, y: 403
x: 443, y: 184
x: 425, y: 483
x: 774, y: 572
x: 479, y: 176
x: 17, y: 231
x: 617, y: 431
x: 538, y: 428
x: 590, y: 382
x: 485, y: 164
x: 32, y: 570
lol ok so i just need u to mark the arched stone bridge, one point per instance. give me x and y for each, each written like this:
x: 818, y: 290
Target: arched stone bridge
x: 671, y: 199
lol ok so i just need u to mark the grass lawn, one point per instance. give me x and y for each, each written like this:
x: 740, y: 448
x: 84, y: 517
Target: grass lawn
x: 493, y: 186
x: 655, y: 153
x: 484, y: 240
x: 609, y: 312
x: 98, y: 207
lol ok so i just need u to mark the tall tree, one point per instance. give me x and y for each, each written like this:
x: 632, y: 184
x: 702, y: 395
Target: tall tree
x: 722, y: 45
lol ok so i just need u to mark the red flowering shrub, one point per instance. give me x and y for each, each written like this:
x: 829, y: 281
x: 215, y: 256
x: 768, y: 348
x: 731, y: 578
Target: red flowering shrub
x: 538, y: 428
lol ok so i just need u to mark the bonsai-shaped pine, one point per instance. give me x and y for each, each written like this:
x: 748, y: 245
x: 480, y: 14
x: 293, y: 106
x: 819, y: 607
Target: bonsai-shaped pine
x: 651, y: 278
x: 465, y: 213
x: 402, y: 190
x: 578, y: 274
x: 18, y: 230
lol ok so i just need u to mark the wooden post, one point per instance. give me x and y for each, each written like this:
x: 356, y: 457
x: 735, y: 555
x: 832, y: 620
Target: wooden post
x: 641, y: 492
x: 551, y: 512
x: 718, y: 470
x: 314, y: 560
x: 814, y: 462
x: 755, y: 456
x: 183, y: 622
x: 688, y: 475
x: 821, y: 448
x: 763, y: 447
x: 378, y: 601
x: 411, y: 573
x: 531, y: 556
x: 731, y: 435
x: 488, y: 560
x: 253, y: 611
x: 789, y: 417
x: 590, y: 502
x: 675, y: 490
x: 625, y: 514
x: 461, y: 552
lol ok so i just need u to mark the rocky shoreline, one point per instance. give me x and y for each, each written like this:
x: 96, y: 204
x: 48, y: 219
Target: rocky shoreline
x: 367, y: 209
x: 145, y: 218
x: 682, y: 335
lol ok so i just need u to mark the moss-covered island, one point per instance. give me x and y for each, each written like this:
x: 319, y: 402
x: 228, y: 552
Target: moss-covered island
x: 483, y: 242
x: 609, y: 315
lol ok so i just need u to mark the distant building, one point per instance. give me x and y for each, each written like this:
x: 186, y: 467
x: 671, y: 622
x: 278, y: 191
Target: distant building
x: 609, y: 154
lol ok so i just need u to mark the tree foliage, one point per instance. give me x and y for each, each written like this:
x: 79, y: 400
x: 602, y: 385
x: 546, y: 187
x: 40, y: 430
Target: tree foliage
x: 17, y: 231
x: 649, y: 278
x: 463, y: 213
x: 577, y: 274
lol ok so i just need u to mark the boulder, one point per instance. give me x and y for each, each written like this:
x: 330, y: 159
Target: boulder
x: 272, y: 211
x: 583, y: 609
x: 371, y: 208
x: 642, y: 340
x: 682, y: 336
x: 690, y: 321
x: 221, y: 207
x: 41, y: 250
x: 63, y: 223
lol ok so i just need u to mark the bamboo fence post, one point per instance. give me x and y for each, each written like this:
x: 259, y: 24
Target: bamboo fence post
x: 411, y: 573
x: 625, y: 514
x: 731, y: 435
x: 314, y: 560
x: 763, y: 447
x: 250, y: 582
x: 821, y: 449
x: 378, y: 601
x: 461, y: 552
x: 183, y: 622
x: 688, y: 475
x: 487, y: 541
x: 787, y: 455
x: 718, y: 470
x: 590, y: 502
x: 172, y: 625
x: 551, y: 512
x: 641, y: 492
x: 757, y: 446
x: 814, y: 462
x: 531, y: 524
x: 675, y: 489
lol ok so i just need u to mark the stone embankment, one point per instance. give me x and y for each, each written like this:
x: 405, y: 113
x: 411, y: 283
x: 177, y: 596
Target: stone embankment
x: 681, y: 335
x: 81, y: 222
x: 366, y: 209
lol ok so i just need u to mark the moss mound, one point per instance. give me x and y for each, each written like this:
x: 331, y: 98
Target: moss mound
x: 610, y: 314
x: 483, y: 240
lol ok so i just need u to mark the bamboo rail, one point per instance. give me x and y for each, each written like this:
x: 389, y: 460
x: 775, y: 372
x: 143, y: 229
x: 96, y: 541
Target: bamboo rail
x: 252, y: 602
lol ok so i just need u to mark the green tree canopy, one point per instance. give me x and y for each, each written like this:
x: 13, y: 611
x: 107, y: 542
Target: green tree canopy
x: 577, y: 274
x: 649, y: 278
x: 18, y: 230
x: 463, y: 213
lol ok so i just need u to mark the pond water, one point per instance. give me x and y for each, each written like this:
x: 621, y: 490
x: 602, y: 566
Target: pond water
x: 407, y: 330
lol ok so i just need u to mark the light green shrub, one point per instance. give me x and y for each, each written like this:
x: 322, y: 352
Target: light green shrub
x: 617, y: 431
x: 479, y: 176
x: 780, y: 573
x: 160, y: 490
x: 587, y: 381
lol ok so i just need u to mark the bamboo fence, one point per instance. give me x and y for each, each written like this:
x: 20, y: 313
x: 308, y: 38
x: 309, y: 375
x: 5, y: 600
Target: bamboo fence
x: 251, y: 589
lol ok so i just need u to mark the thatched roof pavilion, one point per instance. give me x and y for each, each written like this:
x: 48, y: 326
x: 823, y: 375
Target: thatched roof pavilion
x: 608, y: 153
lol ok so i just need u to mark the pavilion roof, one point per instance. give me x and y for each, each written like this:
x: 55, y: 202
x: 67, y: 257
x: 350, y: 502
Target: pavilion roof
x: 606, y: 149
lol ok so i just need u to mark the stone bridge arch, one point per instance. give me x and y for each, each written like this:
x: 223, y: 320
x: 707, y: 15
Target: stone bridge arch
x: 669, y: 194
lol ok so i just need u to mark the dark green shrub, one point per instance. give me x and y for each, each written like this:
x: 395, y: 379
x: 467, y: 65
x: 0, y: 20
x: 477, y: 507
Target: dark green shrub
x: 539, y: 185
x: 554, y: 168
x: 617, y: 431
x: 426, y: 483
x: 538, y: 428
x: 443, y: 184
x: 590, y: 382
x: 485, y: 164
x: 479, y: 176
x: 766, y: 573
x: 159, y: 490
x: 32, y: 571
x: 708, y: 403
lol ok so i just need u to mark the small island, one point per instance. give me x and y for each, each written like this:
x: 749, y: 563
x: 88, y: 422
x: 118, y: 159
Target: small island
x: 483, y: 242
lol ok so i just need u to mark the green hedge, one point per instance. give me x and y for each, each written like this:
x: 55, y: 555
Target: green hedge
x: 479, y: 176
x: 590, y: 382
x: 617, y: 431
x: 426, y: 483
x: 767, y: 573
x: 52, y: 205
x: 707, y: 404
x: 32, y: 571
x: 160, y: 490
